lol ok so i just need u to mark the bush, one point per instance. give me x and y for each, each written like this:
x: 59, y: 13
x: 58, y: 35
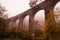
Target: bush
x: 3, y: 24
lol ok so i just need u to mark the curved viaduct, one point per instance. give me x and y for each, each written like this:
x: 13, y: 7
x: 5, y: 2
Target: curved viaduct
x: 47, y: 6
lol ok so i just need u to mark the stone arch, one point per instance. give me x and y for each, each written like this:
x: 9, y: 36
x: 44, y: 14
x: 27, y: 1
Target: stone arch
x: 21, y: 19
x: 40, y: 18
x: 50, y: 19
x: 50, y: 13
x: 26, y: 22
x: 40, y: 13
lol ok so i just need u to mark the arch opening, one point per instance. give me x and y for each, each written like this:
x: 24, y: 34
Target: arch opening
x: 26, y: 22
x: 57, y: 12
x: 40, y: 19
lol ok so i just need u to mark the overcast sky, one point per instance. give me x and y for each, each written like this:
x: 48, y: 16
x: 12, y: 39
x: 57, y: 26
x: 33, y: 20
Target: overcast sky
x: 15, y: 7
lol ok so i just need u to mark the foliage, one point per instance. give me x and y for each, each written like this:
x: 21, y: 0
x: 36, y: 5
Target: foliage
x: 2, y: 12
x: 52, y: 28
